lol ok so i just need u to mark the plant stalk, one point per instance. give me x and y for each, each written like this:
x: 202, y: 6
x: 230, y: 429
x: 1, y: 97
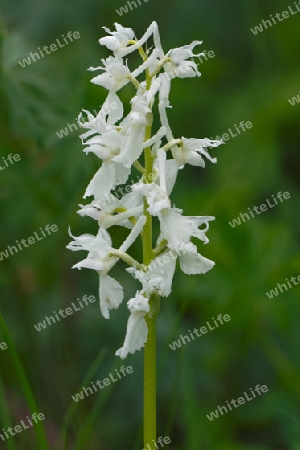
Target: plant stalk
x: 150, y: 347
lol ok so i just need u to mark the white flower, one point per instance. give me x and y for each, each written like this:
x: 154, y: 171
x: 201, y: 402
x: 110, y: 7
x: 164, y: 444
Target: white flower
x: 137, y: 330
x: 118, y: 40
x: 99, y: 258
x: 191, y: 150
x: 178, y: 66
x: 177, y: 229
x: 158, y: 276
x: 115, y: 77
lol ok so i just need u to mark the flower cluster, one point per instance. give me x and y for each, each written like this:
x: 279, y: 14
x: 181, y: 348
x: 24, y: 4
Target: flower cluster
x: 121, y: 143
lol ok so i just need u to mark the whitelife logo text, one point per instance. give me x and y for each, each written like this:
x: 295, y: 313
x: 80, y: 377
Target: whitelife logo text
x: 10, y: 250
x: 259, y: 209
x: 198, y: 333
x: 53, y: 47
x: 236, y: 403
x: 102, y: 383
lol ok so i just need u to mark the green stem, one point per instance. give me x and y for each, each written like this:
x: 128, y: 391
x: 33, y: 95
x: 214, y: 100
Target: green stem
x: 150, y: 347
x: 150, y: 385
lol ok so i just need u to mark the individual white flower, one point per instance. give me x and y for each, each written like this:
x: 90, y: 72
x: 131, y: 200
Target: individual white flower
x: 177, y: 229
x: 178, y: 65
x: 191, y: 151
x: 137, y: 330
x: 158, y: 276
x: 118, y: 39
x: 115, y: 77
x: 99, y: 258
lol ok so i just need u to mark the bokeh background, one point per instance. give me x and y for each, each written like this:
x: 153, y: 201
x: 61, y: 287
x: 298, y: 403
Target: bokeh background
x: 251, y: 78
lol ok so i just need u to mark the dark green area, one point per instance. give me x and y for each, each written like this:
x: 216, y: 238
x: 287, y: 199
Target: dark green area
x: 250, y: 78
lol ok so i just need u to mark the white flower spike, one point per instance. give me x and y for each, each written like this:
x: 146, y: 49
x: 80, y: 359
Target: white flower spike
x: 127, y: 144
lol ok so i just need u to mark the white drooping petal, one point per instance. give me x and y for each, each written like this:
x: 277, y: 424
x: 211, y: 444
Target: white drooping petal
x: 136, y: 335
x: 110, y: 294
x: 171, y: 174
x: 161, y: 163
x: 108, y: 176
x: 192, y: 263
x: 137, y: 330
x: 89, y: 263
x: 113, y: 107
x: 102, y: 182
x: 164, y: 91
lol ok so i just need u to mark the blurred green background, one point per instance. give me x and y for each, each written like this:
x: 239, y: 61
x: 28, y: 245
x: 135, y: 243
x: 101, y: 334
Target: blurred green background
x: 250, y: 78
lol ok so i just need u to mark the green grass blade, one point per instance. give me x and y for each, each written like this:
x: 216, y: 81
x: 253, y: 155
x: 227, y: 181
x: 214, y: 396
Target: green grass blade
x: 74, y: 406
x: 29, y: 397
x: 6, y: 420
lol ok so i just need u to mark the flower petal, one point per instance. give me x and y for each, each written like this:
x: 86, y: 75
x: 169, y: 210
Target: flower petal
x: 193, y: 263
x: 136, y: 335
x: 110, y: 294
